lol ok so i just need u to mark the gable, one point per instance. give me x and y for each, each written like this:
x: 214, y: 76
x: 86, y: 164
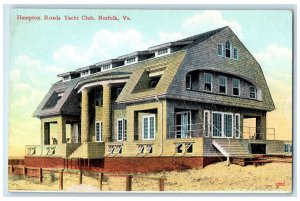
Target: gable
x: 203, y: 56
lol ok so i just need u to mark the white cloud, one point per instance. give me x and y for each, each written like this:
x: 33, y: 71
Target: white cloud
x: 276, y: 61
x: 208, y: 20
x: 107, y: 44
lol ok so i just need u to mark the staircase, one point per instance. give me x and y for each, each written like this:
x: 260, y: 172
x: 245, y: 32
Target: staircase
x: 231, y: 148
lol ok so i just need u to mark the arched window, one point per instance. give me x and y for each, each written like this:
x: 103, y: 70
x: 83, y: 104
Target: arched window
x: 252, y: 92
x: 227, y: 49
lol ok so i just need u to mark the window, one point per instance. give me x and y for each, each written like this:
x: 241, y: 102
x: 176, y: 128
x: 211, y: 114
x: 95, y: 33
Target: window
x: 227, y: 49
x: 149, y: 127
x: 189, y: 147
x: 252, y: 92
x: 220, y: 50
x: 207, y: 82
x: 235, y: 53
x: 141, y: 149
x: 222, y: 85
x: 106, y: 67
x: 98, y: 129
x: 286, y: 148
x: 206, y: 123
x: 111, y: 149
x: 237, y: 125
x: 222, y: 124
x: 162, y: 51
x: 179, y: 148
x: 122, y: 129
x: 85, y: 73
x: 188, y: 81
x: 153, y: 82
x: 236, y: 87
x: 149, y: 149
x: 130, y: 60
x: 98, y: 98
x: 66, y: 78
x: 228, y: 125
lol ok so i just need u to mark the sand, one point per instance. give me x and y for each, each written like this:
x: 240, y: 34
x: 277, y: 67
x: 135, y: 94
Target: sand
x: 213, y: 178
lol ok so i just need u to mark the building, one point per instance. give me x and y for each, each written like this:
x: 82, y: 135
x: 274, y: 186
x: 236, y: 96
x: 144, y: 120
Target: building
x: 176, y: 105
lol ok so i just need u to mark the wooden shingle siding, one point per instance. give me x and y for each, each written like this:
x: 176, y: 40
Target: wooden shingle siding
x: 204, y: 56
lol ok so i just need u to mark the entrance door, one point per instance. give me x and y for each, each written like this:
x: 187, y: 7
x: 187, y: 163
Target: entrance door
x: 183, y: 124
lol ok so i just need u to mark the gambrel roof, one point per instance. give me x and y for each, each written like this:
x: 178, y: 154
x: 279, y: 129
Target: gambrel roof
x: 200, y: 54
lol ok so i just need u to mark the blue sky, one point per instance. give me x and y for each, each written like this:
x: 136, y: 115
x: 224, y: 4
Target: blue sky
x: 39, y: 50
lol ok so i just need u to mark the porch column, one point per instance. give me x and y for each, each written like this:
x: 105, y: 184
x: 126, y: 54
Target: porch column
x: 46, y: 133
x: 261, y: 126
x: 106, y: 116
x: 61, y: 128
x: 84, y: 116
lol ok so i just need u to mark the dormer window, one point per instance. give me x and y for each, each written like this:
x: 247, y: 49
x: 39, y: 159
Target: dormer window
x: 227, y: 49
x: 106, y: 67
x: 84, y: 73
x: 162, y: 51
x: 153, y: 82
x: 66, y: 78
x: 131, y: 60
x: 252, y: 92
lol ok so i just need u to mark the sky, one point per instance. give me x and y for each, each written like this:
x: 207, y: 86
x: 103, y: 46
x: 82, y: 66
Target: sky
x: 39, y: 50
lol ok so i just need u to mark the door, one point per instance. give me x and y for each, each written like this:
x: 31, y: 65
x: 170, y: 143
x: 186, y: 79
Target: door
x: 183, y: 124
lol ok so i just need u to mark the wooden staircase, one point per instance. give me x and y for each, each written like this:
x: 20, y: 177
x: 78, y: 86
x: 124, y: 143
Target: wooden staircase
x: 231, y: 148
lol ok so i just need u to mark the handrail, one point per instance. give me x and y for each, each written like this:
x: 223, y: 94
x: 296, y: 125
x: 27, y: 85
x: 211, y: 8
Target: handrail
x: 213, y: 126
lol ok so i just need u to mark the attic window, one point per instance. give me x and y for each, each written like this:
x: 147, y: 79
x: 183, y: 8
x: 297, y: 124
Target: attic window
x: 235, y: 53
x: 162, y: 51
x: 130, y: 60
x: 220, y: 50
x: 66, y: 78
x: 227, y: 49
x: 106, y: 67
x: 153, y: 82
x: 84, y: 73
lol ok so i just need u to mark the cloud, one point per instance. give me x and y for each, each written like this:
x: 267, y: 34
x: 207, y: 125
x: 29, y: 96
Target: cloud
x: 276, y: 62
x: 208, y: 20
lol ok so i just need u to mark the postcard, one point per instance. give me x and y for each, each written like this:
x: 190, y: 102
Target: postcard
x: 139, y: 100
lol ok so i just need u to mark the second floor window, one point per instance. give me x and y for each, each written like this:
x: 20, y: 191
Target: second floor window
x: 207, y: 82
x: 236, y: 87
x: 188, y: 81
x: 222, y: 84
x: 252, y: 92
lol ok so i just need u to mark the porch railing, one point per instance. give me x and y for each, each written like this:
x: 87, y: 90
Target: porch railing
x: 257, y: 133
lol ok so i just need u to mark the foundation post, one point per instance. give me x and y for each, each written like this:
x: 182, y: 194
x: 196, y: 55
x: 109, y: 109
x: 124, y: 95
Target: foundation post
x: 61, y: 180
x: 161, y: 182
x: 80, y: 177
x: 100, y: 181
x: 128, y: 182
x: 40, y: 175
